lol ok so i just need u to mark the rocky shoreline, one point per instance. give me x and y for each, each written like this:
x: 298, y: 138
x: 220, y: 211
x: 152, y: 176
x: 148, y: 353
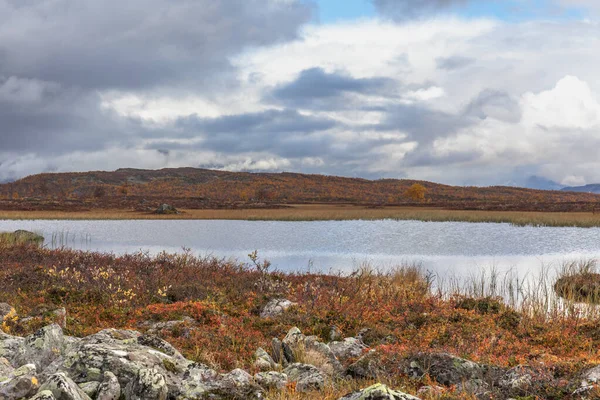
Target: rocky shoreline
x: 125, y: 364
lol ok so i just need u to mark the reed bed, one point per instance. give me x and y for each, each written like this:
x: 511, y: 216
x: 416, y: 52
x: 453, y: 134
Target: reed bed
x: 334, y: 212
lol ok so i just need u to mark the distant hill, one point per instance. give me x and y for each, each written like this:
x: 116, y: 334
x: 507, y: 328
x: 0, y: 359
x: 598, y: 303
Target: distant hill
x: 592, y: 188
x: 204, y: 188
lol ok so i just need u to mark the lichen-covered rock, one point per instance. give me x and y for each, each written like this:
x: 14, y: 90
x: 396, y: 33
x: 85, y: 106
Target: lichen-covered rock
x: 307, y: 377
x: 10, y: 346
x: 109, y: 389
x: 445, y: 368
x: 276, y: 307
x: 44, y: 395
x: 119, y: 352
x: 160, y: 345
x: 200, y: 382
x: 63, y: 388
x: 367, y: 367
x: 348, y: 349
x: 263, y: 361
x: 20, y: 383
x: 300, y: 348
x: 271, y: 380
x: 5, y: 369
x: 378, y: 392
x: 149, y: 384
x: 90, y: 388
x: 42, y: 347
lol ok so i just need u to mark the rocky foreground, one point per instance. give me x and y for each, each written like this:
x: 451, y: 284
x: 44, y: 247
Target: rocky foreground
x: 125, y: 364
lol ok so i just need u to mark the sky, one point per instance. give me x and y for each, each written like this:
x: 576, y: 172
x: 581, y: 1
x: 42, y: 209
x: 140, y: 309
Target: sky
x: 465, y: 92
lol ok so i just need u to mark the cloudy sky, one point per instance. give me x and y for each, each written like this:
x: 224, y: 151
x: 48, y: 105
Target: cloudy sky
x: 463, y: 92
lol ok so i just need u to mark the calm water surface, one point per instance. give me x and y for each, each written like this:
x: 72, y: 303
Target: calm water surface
x: 442, y: 247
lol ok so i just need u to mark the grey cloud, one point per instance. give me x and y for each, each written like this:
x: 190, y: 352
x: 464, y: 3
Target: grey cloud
x: 495, y: 104
x: 314, y: 87
x: 137, y: 43
x: 454, y: 63
x: 406, y: 9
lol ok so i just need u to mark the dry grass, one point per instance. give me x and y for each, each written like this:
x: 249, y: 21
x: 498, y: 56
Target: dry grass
x: 324, y: 212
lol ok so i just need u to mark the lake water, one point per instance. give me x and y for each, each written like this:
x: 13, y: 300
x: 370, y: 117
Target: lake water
x: 444, y: 248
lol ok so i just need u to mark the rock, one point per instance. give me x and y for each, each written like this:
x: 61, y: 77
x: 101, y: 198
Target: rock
x: 10, y: 346
x: 276, y: 307
x: 348, y: 349
x: 335, y: 335
x: 43, y: 395
x: 271, y: 380
x: 445, y: 369
x: 119, y: 352
x: 109, y: 389
x: 20, y: 383
x: 166, y: 209
x: 160, y: 345
x: 518, y: 377
x: 300, y: 348
x: 366, y: 367
x: 277, y: 352
x: 148, y: 384
x: 263, y: 361
x: 90, y: 388
x: 28, y: 237
x: 307, y: 377
x: 6, y: 311
x: 201, y: 382
x: 63, y: 388
x: 42, y: 347
x: 5, y: 369
x: 378, y: 392
x: 430, y: 391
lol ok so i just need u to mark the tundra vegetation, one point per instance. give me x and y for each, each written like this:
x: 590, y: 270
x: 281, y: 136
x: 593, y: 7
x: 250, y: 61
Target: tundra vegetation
x: 492, y: 337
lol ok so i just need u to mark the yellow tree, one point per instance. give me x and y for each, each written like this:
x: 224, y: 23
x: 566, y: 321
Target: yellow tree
x: 416, y: 192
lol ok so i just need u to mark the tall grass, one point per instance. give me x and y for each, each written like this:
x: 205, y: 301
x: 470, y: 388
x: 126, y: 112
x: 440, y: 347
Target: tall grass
x: 335, y: 212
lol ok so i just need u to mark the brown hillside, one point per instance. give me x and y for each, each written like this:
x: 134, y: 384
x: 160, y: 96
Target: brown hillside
x: 202, y: 188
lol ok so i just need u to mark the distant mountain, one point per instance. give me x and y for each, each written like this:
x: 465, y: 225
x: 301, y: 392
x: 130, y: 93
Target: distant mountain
x: 541, y: 183
x: 592, y: 188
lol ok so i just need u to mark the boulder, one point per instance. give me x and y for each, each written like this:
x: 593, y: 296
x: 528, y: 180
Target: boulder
x: 445, y: 368
x: 201, y: 382
x: 63, y: 388
x: 42, y: 347
x: 271, y: 380
x: 90, y: 388
x: 307, y: 377
x: 378, y: 392
x: 276, y: 307
x: 299, y: 348
x: 10, y: 347
x: 366, y: 367
x: 28, y: 237
x: 166, y: 209
x: 348, y: 349
x: 119, y: 352
x: 44, y: 395
x: 148, y: 384
x: 20, y: 383
x: 109, y: 389
x: 263, y: 361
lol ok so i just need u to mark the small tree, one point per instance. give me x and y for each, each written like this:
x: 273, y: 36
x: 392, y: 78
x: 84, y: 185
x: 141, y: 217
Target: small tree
x: 416, y: 192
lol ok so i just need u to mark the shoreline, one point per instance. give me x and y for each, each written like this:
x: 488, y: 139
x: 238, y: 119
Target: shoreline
x: 324, y: 212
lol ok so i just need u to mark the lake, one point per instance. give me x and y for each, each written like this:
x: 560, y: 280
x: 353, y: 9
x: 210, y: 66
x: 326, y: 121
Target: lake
x: 444, y: 248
